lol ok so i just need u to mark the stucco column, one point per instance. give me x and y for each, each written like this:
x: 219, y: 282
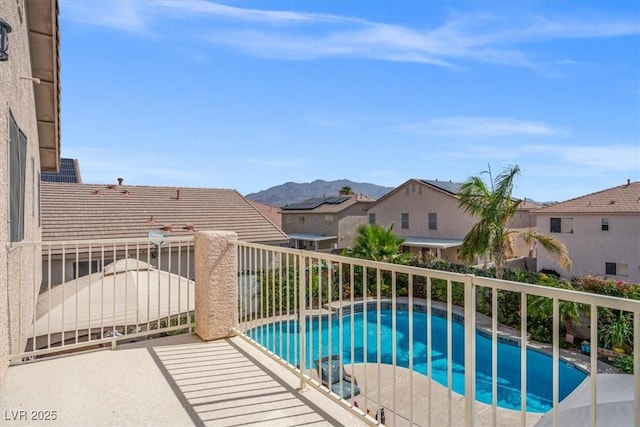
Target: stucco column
x: 216, y: 284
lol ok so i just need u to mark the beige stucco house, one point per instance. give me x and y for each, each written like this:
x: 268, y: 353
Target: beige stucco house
x: 601, y: 231
x: 324, y: 223
x: 72, y: 212
x: 427, y: 214
x: 30, y: 125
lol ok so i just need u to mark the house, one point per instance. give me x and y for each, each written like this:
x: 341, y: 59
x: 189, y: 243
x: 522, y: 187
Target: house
x: 30, y: 126
x: 72, y: 212
x: 601, y: 231
x: 325, y: 223
x: 427, y: 214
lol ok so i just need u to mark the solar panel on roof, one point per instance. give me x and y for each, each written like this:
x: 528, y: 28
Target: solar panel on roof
x: 67, y: 173
x: 314, y: 203
x: 450, y: 187
x: 336, y: 200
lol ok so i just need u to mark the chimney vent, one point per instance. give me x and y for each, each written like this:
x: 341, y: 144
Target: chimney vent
x: 111, y: 186
x: 126, y: 192
x: 189, y: 227
x: 177, y: 194
x: 120, y: 181
x: 628, y: 181
x: 96, y: 191
x: 152, y: 220
x: 166, y: 227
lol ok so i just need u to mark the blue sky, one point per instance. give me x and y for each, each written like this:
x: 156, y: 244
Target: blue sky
x: 251, y: 94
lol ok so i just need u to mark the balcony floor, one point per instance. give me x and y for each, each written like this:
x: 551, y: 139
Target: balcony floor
x: 172, y: 381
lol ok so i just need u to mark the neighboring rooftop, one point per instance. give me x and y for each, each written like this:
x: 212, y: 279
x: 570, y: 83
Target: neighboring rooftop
x: 332, y: 204
x: 272, y: 213
x: 622, y: 199
x: 69, y: 172
x: 92, y: 211
x: 448, y: 186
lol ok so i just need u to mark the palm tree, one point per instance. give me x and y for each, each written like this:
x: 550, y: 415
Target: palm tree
x: 346, y: 191
x: 377, y: 243
x: 493, y: 206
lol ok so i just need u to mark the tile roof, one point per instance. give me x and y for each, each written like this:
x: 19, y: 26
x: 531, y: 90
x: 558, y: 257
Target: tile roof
x: 272, y: 213
x: 333, y: 204
x: 92, y: 211
x: 621, y: 199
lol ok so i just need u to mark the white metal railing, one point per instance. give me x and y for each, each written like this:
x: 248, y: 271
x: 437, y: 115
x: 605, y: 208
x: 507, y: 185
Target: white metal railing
x: 97, y: 292
x: 292, y: 301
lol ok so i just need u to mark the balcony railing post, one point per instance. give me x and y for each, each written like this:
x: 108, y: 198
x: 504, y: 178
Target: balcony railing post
x: 216, y: 292
x: 636, y: 364
x: 301, y: 319
x: 470, y: 348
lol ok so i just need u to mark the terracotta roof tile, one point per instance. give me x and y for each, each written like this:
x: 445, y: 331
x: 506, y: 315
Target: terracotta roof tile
x: 621, y: 199
x: 92, y: 211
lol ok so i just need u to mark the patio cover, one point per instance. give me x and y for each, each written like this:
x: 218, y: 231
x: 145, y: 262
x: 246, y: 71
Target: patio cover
x: 126, y: 292
x: 614, y: 403
x: 430, y: 242
x: 311, y: 237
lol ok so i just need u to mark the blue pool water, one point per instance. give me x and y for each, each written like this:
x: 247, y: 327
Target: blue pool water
x: 539, y: 366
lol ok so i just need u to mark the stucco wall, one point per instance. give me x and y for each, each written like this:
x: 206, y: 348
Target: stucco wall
x: 347, y: 229
x: 18, y: 277
x: 590, y: 247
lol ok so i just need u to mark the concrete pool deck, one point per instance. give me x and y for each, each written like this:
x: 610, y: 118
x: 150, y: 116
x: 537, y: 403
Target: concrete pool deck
x: 428, y: 409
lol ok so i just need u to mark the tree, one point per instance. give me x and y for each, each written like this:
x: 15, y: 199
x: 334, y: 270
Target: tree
x: 493, y: 206
x: 377, y: 243
x: 346, y: 191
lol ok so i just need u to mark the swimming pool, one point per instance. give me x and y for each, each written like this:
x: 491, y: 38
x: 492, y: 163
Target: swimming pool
x: 282, y: 338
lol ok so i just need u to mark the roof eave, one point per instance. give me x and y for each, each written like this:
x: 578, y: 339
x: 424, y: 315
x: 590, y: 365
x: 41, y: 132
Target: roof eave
x: 44, y: 48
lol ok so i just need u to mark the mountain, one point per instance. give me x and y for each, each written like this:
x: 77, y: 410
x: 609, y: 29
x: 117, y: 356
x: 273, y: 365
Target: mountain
x: 292, y: 192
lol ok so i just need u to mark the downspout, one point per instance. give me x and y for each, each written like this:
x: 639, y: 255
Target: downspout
x: 8, y: 245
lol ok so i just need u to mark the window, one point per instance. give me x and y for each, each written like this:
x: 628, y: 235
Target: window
x: 17, y: 166
x: 372, y: 218
x: 301, y: 220
x: 604, y: 224
x: 561, y: 225
x: 616, y: 269
x: 328, y: 220
x: 84, y: 268
x: 405, y: 220
x: 433, y: 221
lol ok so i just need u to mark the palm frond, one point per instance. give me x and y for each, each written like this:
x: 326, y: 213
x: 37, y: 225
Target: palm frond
x: 555, y: 248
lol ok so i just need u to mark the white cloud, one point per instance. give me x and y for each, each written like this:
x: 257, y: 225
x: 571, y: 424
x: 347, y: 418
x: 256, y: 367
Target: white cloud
x: 480, y: 127
x: 277, y: 33
x: 595, y: 159
x: 121, y: 15
x: 257, y: 15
